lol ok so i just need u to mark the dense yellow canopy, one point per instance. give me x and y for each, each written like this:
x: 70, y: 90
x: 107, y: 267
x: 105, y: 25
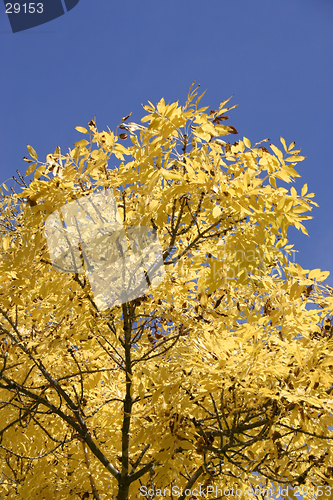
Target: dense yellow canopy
x: 218, y: 377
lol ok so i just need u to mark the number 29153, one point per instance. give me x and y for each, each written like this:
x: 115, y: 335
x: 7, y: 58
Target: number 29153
x: 27, y: 8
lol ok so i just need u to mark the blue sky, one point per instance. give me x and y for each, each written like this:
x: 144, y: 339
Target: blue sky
x: 106, y: 58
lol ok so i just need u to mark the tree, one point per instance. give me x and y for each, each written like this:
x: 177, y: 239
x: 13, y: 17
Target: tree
x: 217, y: 377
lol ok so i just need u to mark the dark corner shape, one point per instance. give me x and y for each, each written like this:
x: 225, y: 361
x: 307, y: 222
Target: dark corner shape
x: 24, y: 15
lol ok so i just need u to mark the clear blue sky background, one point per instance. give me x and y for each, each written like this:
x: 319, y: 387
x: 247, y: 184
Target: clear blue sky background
x: 105, y: 58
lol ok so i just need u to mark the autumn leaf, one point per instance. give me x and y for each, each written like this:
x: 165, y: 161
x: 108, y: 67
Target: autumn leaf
x: 32, y: 152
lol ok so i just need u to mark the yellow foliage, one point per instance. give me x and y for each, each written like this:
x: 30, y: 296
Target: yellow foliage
x: 222, y: 370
